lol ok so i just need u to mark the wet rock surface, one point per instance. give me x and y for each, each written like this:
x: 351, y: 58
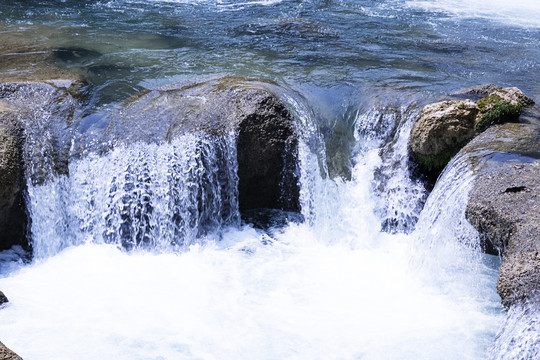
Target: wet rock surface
x: 267, y: 140
x: 504, y: 205
x: 45, y: 112
x: 7, y: 354
x: 12, y: 208
x: 34, y: 144
x: 3, y: 298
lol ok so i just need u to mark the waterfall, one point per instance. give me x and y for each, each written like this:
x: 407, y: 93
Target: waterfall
x: 346, y: 282
x: 518, y: 338
x: 154, y: 196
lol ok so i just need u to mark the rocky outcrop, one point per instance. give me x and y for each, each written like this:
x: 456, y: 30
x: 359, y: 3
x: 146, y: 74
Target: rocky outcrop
x: 441, y: 131
x: 12, y: 209
x: 7, y: 354
x: 445, y: 127
x: 3, y: 298
x: 267, y: 137
x: 504, y: 205
x: 34, y: 144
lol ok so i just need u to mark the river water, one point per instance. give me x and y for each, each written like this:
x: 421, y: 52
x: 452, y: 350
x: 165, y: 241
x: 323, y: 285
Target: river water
x: 374, y: 271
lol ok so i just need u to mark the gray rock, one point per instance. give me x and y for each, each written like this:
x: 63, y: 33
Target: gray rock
x: 7, y: 354
x: 3, y: 298
x: 504, y: 205
x: 482, y: 90
x: 267, y: 142
x: 441, y: 131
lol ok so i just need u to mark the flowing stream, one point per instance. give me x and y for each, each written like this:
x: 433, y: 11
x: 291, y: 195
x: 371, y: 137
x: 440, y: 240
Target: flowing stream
x: 141, y: 253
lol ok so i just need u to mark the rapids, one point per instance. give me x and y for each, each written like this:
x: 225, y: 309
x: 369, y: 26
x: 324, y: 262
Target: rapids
x: 377, y: 267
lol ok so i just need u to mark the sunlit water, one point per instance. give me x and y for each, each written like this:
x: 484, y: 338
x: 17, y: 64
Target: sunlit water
x: 332, y: 287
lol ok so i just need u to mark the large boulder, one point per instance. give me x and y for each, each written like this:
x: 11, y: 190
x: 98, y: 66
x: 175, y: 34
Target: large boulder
x: 441, y: 131
x: 7, y: 354
x: 445, y: 127
x: 504, y: 205
x: 267, y: 136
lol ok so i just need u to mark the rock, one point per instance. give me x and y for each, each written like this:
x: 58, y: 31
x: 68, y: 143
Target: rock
x: 267, y: 142
x: 441, y: 131
x: 513, y: 96
x: 504, y: 205
x: 34, y: 131
x: 28, y: 55
x: 445, y: 127
x: 3, y: 298
x: 13, y: 220
x: 45, y: 112
x: 482, y: 90
x: 7, y: 354
x: 501, y: 106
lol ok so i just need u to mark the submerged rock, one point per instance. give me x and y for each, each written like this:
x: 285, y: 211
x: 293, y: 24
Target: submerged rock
x: 504, y: 205
x: 267, y: 140
x: 7, y: 354
x: 441, y: 131
x: 3, y: 298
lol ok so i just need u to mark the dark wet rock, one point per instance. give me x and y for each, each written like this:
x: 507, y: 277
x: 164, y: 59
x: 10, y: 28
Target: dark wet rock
x: 441, y: 131
x: 267, y: 137
x: 34, y: 144
x: 7, y: 354
x: 504, y: 205
x: 44, y: 111
x: 12, y: 209
x: 3, y: 298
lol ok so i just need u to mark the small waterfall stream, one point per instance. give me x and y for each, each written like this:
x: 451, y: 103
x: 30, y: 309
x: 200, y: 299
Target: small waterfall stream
x: 346, y: 283
x: 151, y: 196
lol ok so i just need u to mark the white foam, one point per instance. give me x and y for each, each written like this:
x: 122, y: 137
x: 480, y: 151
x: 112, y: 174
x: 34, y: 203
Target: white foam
x: 334, y: 289
x: 524, y: 13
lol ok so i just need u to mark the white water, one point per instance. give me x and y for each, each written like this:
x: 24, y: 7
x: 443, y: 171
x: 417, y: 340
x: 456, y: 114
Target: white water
x: 523, y: 13
x: 334, y: 287
x: 157, y: 197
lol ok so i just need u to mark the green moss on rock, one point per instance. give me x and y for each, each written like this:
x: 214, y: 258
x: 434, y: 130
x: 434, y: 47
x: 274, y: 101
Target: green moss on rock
x: 434, y: 163
x: 487, y: 102
x: 500, y: 112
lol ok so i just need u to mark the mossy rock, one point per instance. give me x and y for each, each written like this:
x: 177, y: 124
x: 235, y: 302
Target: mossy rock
x: 501, y: 112
x: 434, y: 163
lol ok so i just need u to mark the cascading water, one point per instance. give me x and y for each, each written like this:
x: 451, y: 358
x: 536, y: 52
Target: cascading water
x: 140, y: 253
x: 143, y: 195
x: 333, y: 287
